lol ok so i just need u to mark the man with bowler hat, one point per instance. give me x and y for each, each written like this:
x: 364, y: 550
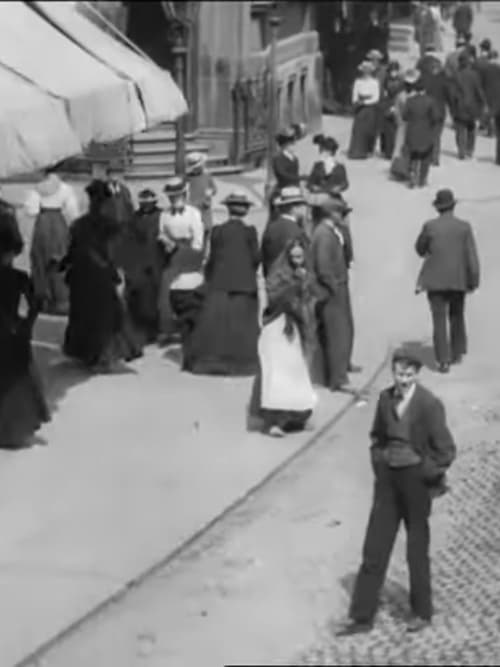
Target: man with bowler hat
x: 290, y: 206
x: 411, y: 449
x: 421, y: 117
x: 449, y: 271
x: 335, y: 322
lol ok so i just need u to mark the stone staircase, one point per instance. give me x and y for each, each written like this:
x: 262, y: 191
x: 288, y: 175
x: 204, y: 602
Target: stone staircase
x: 402, y: 45
x: 153, y: 154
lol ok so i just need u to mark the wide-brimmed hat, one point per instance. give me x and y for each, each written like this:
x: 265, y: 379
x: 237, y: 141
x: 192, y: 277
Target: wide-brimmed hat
x: 367, y: 67
x: 147, y: 196
x: 175, y: 186
x: 237, y: 198
x: 332, y: 204
x: 374, y: 54
x: 286, y: 135
x: 444, y: 199
x: 194, y: 161
x: 411, y: 76
x: 290, y: 195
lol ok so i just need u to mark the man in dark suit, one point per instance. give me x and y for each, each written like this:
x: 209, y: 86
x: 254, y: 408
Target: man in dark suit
x: 421, y: 119
x: 450, y: 270
x: 462, y: 19
x: 489, y: 74
x: 411, y: 449
x: 290, y: 206
x: 335, y: 326
x: 436, y: 86
x: 467, y: 104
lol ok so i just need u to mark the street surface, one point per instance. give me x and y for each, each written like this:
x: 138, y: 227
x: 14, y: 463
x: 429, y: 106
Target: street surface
x: 136, y: 464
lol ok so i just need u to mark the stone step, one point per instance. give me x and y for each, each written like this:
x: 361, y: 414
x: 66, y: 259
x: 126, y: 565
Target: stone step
x: 166, y: 148
x: 162, y: 174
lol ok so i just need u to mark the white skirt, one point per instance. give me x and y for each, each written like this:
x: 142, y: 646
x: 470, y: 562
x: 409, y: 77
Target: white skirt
x: 286, y: 384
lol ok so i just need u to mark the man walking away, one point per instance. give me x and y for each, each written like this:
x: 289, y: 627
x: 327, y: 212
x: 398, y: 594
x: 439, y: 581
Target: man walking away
x: 411, y: 449
x: 467, y: 105
x: 462, y: 20
x: 449, y: 271
x: 436, y: 86
x: 489, y: 73
x: 421, y: 117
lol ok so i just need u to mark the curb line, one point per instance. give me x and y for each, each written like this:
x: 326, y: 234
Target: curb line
x: 32, y: 660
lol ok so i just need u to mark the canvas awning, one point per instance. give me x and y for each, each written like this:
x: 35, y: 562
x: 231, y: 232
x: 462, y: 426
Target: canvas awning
x: 34, y: 127
x: 102, y: 106
x: 162, y: 99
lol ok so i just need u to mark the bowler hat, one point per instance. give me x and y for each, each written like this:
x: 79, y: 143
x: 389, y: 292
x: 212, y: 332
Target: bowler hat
x: 237, y: 198
x: 444, y: 200
x: 147, y: 196
x: 176, y: 185
x: 290, y: 195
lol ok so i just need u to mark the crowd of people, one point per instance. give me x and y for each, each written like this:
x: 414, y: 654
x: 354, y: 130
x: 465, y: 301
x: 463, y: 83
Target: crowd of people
x: 405, y: 112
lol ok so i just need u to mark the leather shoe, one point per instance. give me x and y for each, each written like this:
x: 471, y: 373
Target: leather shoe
x: 444, y: 368
x: 417, y: 624
x: 354, y: 628
x: 353, y: 368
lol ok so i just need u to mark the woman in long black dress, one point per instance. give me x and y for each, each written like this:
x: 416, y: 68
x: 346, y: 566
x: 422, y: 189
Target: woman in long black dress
x: 365, y: 99
x: 224, y: 341
x: 23, y: 408
x: 95, y: 332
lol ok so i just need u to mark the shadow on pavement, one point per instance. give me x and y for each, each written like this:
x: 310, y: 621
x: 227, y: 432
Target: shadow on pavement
x: 393, y: 599
x: 422, y: 351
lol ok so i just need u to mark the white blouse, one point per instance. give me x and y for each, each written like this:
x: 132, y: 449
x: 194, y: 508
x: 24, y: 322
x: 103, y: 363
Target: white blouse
x: 64, y: 199
x: 366, y: 91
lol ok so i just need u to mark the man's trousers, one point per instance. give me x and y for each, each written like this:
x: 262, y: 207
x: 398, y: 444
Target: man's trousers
x: 335, y: 333
x: 436, y: 147
x: 420, y: 162
x: 400, y: 495
x: 448, y: 306
x: 465, y: 135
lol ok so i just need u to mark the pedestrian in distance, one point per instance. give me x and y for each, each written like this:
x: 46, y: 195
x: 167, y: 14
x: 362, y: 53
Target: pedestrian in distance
x: 365, y: 100
x: 436, y: 85
x: 421, y: 117
x: 411, y: 450
x: 392, y: 86
x: 463, y: 18
x: 449, y: 272
x: 201, y: 188
x: 334, y: 314
x: 23, y: 408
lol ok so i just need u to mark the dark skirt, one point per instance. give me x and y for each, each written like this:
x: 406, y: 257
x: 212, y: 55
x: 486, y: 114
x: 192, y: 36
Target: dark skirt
x: 224, y: 341
x: 363, y: 132
x: 23, y: 409
x: 49, y: 245
x: 288, y: 420
x: 186, y: 306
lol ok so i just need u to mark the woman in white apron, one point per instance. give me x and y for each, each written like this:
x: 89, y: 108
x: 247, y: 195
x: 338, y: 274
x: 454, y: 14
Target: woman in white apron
x: 283, y: 396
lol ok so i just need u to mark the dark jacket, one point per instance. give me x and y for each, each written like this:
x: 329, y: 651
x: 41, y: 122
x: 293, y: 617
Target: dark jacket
x: 234, y: 258
x: 328, y: 259
x: 286, y: 170
x: 437, y: 87
x: 426, y: 63
x: 275, y: 238
x: 429, y: 433
x: 489, y: 76
x: 467, y: 96
x: 421, y: 117
x: 462, y: 19
x: 323, y: 182
x: 451, y: 259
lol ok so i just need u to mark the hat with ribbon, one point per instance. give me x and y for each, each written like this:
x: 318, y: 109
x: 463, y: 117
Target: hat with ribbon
x: 147, y: 196
x: 237, y: 198
x: 175, y: 186
x: 411, y: 76
x: 445, y: 199
x: 290, y: 195
x: 195, y: 161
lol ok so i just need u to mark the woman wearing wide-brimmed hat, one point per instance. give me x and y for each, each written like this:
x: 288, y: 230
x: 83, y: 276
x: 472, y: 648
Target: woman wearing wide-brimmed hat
x: 365, y: 98
x: 224, y: 340
x: 400, y: 166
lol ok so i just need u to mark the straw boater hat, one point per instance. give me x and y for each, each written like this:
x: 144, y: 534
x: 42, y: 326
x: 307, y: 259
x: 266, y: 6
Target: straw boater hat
x: 237, y: 199
x: 147, y: 196
x: 194, y: 161
x: 445, y: 199
x: 175, y: 186
x: 366, y: 67
x: 290, y: 195
x: 411, y: 76
x: 374, y: 54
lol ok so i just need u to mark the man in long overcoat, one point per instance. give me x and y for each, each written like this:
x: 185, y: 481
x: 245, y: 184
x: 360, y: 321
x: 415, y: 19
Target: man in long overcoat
x: 489, y: 74
x: 462, y: 19
x: 420, y: 115
x: 436, y: 86
x: 411, y: 449
x: 467, y: 105
x: 449, y: 272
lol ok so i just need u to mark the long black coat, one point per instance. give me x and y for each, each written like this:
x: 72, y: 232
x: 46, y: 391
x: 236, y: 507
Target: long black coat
x: 421, y: 117
x: 438, y: 88
x: 467, y: 96
x: 234, y: 258
x: 286, y: 170
x: 451, y: 259
x: 489, y: 75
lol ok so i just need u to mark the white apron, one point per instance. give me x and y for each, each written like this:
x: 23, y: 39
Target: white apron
x: 286, y: 384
